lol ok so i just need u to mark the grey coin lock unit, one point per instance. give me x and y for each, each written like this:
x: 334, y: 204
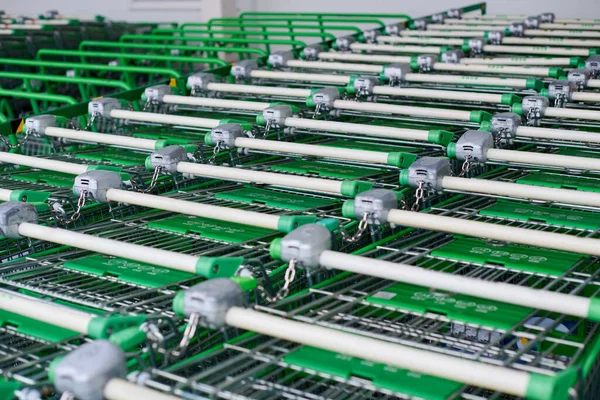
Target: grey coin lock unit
x: 305, y: 245
x: 517, y: 29
x: 452, y: 56
x: 38, y: 124
x: 438, y: 18
x: 155, y: 94
x: 504, y: 126
x: 242, y: 69
x: 532, y: 22
x: 376, y: 203
x: 592, y: 64
x: 426, y: 171
x: 534, y: 108
x: 496, y: 37
x: 167, y: 158
x: 311, y: 53
x: 476, y: 45
x: 210, y: 300
x: 396, y: 73
x: 198, y: 82
x: 102, y: 107
x: 275, y: 116
x: 96, y: 183
x: 455, y: 13
x: 579, y: 77
x: 394, y: 29
x: 547, y: 17
x: 426, y: 62
x: 279, y: 59
x: 561, y: 92
x: 473, y: 145
x: 225, y: 135
x: 86, y: 371
x: 325, y: 98
x: 12, y: 214
x: 364, y: 85
x: 370, y: 35
x: 343, y: 43
x: 420, y: 24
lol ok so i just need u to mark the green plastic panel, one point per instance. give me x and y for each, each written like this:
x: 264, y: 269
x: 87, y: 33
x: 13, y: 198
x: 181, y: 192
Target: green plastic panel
x: 35, y: 328
x: 327, y: 169
x: 553, y: 216
x: 174, y: 137
x: 456, y: 306
x: 522, y: 258
x: 48, y: 177
x: 211, y: 228
x: 566, y: 151
x: 582, y: 183
x: 370, y: 146
x: 114, y: 156
x: 381, y: 375
x: 272, y: 198
x: 128, y: 271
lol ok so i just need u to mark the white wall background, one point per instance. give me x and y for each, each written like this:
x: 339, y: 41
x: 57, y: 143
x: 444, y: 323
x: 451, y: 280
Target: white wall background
x: 199, y: 10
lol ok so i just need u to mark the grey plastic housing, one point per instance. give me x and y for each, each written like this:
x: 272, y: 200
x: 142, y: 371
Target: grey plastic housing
x: 377, y: 203
x: 211, y: 300
x: 452, y: 56
x: 394, y: 29
x: 276, y: 115
x: 199, y: 81
x: 426, y: 61
x: 343, y: 43
x: 279, y: 59
x: 579, y: 77
x: 371, y: 35
x: 420, y: 24
x: 167, y: 158
x: 103, y: 107
x: 226, y: 134
x: 311, y: 52
x: 561, y: 89
x: 592, y: 64
x: 96, y: 183
x: 532, y: 22
x: 243, y: 69
x: 438, y: 18
x: 517, y: 29
x: 305, y: 245
x: 325, y: 97
x: 547, y: 17
x: 430, y: 171
x: 364, y: 85
x: 396, y: 73
x: 504, y: 125
x: 455, y: 13
x: 476, y: 45
x: 13, y: 213
x: 39, y: 123
x: 85, y: 371
x: 535, y: 103
x: 155, y: 94
x: 496, y: 37
x: 474, y: 145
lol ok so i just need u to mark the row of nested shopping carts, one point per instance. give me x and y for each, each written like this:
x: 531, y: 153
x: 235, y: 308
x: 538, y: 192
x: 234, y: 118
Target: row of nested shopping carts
x: 300, y: 206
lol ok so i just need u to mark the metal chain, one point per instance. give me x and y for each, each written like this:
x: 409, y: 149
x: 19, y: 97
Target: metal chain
x: 533, y: 117
x: 419, y: 194
x: 155, y: 336
x: 67, y: 396
x: 466, y: 166
x: 560, y: 100
x: 317, y: 110
x: 216, y: 151
x: 268, y: 127
x: 152, y: 184
x: 362, y: 227
x: 19, y: 144
x: 188, y: 334
x: 80, y: 204
x: 91, y: 122
x: 290, y: 275
x: 146, y: 105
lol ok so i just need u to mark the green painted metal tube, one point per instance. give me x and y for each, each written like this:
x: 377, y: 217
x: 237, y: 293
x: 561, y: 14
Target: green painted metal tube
x: 149, y: 46
x: 58, y: 98
x: 130, y: 56
x: 66, y: 79
x: 210, y: 32
x: 152, y: 38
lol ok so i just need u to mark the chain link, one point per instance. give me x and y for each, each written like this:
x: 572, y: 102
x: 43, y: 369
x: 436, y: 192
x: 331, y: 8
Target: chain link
x: 317, y: 110
x: 533, y: 116
x: 560, y: 100
x: 419, y: 194
x: 91, y: 122
x: 216, y: 151
x: 80, y: 204
x: 290, y: 275
x: 188, y: 334
x: 155, y: 336
x: 19, y: 144
x: 362, y: 227
x: 152, y: 184
x: 466, y: 166
x: 268, y: 127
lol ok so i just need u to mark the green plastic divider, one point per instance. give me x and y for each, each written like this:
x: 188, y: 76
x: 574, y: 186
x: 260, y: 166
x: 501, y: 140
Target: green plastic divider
x: 585, y: 184
x: 114, y: 156
x: 272, y: 198
x: 380, y: 375
x: 35, y: 328
x: 550, y: 215
x: 326, y: 169
x: 211, y: 228
x: 542, y: 261
x: 128, y: 271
